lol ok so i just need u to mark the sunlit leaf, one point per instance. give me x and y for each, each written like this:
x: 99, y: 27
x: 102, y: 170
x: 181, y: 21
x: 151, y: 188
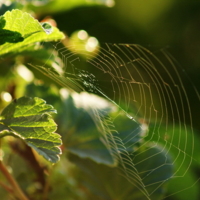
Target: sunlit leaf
x: 29, y: 119
x: 77, y: 127
x: 20, y: 30
x: 83, y: 127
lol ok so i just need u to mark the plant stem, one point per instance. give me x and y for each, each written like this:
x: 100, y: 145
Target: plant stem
x: 6, y: 187
x: 17, y: 190
x: 47, y: 185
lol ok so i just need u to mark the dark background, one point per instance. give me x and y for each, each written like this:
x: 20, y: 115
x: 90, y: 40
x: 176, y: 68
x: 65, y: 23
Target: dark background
x: 170, y: 25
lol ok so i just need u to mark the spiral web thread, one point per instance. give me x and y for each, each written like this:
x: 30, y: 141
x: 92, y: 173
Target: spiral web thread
x: 143, y: 88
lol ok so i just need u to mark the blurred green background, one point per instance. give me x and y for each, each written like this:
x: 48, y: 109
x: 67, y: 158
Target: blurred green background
x: 173, y: 25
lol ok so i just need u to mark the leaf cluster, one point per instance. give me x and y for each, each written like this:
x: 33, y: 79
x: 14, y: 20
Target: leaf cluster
x: 93, y: 165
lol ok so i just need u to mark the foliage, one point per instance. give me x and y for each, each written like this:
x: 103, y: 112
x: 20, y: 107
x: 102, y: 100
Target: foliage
x: 24, y: 31
x: 93, y: 165
x: 29, y: 120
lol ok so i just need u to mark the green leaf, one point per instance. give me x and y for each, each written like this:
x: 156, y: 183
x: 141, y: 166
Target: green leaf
x: 79, y: 130
x: 80, y: 118
x: 22, y: 29
x: 30, y: 120
x: 129, y: 132
x: 2, y: 22
x: 108, y: 183
x: 10, y: 36
x: 76, y: 124
x: 183, y: 146
x: 7, y: 35
x: 60, y: 5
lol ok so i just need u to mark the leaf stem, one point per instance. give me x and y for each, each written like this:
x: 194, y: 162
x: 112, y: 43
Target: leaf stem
x: 17, y: 190
x: 6, y: 187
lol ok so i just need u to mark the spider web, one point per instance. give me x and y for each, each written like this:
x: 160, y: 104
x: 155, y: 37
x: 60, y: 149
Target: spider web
x: 150, y: 92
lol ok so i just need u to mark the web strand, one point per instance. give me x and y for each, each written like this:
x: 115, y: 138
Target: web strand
x: 144, y: 89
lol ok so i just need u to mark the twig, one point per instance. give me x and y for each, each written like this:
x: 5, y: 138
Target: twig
x: 17, y: 190
x: 26, y: 153
x: 6, y: 187
x: 47, y: 185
